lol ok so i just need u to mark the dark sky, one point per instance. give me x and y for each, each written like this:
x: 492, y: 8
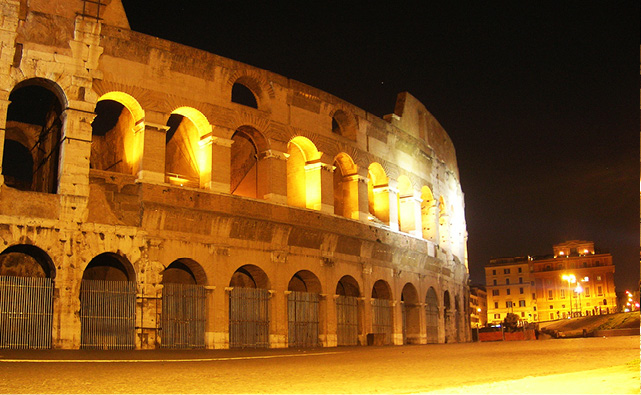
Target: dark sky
x: 539, y: 100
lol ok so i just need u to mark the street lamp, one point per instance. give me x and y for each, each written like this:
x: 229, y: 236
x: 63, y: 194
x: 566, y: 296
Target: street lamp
x: 578, y: 291
x: 571, y: 279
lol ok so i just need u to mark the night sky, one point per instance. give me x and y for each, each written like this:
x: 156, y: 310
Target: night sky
x: 541, y: 102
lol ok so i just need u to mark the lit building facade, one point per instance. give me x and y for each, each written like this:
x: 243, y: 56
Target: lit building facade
x: 478, y: 306
x: 576, y: 281
x: 176, y: 180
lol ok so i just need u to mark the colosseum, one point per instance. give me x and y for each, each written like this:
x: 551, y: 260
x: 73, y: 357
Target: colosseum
x: 156, y: 195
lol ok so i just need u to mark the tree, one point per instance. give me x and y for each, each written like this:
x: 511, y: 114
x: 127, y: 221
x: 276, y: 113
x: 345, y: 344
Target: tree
x: 511, y: 321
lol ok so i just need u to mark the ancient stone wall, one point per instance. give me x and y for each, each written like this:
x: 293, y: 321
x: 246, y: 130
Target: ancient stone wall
x: 318, y: 196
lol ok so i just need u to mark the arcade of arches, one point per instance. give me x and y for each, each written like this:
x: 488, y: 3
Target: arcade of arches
x: 212, y: 204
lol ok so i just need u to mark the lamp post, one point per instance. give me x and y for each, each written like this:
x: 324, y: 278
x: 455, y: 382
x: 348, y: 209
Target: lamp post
x: 578, y: 291
x: 571, y: 279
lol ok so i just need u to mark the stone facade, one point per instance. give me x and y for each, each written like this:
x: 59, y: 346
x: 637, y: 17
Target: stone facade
x: 146, y: 159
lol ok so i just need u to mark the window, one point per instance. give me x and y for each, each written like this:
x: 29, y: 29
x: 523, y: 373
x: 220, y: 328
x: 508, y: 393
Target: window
x: 532, y: 283
x: 508, y: 304
x: 507, y: 281
x: 494, y: 272
x: 508, y: 291
x: 520, y: 280
x: 598, y: 278
x: 533, y: 295
x: 550, y: 296
x: 551, y: 316
x: 562, y: 293
x: 599, y: 290
x: 521, y: 303
x: 562, y: 306
x: 495, y: 292
x: 496, y: 305
x: 522, y: 314
x: 587, y: 292
x: 534, y: 307
x: 506, y: 271
x: 551, y: 307
x: 497, y: 316
x: 520, y: 270
x: 494, y: 282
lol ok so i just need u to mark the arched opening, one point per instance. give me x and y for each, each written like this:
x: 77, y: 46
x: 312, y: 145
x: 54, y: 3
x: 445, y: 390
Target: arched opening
x: 116, y: 145
x: 303, y: 309
x: 303, y: 174
x: 410, y: 312
x: 33, y: 136
x: 344, y: 125
x: 406, y: 214
x: 26, y: 304
x: 184, y: 301
x: 431, y: 315
x: 382, y: 311
x: 182, y: 152
x: 108, y: 303
x: 249, y: 308
x: 443, y: 225
x: 347, y: 311
x: 241, y: 94
x: 345, y: 187
x: 429, y: 215
x: 447, y: 316
x: 245, y: 178
x: 378, y: 193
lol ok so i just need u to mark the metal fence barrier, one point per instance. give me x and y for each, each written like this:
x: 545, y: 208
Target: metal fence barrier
x: 347, y: 320
x: 107, y: 314
x: 382, y: 321
x: 303, y: 317
x: 183, y: 316
x: 248, y: 318
x: 431, y: 318
x: 26, y: 311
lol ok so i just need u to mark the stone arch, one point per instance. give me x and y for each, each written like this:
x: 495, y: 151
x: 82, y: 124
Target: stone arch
x: 406, y: 210
x: 410, y: 311
x: 184, y: 271
x: 26, y: 260
x: 303, y: 174
x: 344, y: 124
x: 250, y: 276
x: 33, y: 136
x: 305, y: 281
x: 348, y: 286
x: 382, y: 290
x: 243, y: 87
x: 247, y: 151
x: 187, y: 162
x: 431, y: 315
x: 109, y: 266
x: 444, y: 225
x: 447, y: 316
x: 378, y: 192
x: 429, y: 215
x: 382, y: 312
x: 345, y: 186
x: 116, y: 144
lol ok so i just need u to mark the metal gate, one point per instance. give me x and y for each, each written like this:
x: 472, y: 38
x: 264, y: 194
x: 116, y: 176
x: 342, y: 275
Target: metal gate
x: 183, y: 316
x: 303, y: 316
x: 107, y: 314
x: 249, y: 317
x: 431, y: 318
x: 347, y: 320
x: 382, y: 321
x: 26, y: 310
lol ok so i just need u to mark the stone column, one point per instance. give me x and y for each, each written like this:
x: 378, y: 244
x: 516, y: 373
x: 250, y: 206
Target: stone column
x: 392, y: 190
x: 319, y: 178
x: 272, y: 173
x: 364, y: 319
x: 361, y: 212
x: 218, y: 322
x: 331, y: 323
x: 4, y: 106
x: 397, y: 335
x: 442, y: 330
x: 219, y: 155
x: 278, y: 330
x: 422, y: 322
x: 151, y: 165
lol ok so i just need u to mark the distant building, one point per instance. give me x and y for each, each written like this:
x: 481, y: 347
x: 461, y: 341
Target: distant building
x: 478, y: 306
x: 575, y: 281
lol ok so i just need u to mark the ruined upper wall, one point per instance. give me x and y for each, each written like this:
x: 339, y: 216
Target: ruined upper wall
x: 111, y: 12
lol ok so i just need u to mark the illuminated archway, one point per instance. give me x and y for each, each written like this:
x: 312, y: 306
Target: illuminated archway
x: 347, y: 311
x: 249, y: 308
x: 303, y: 309
x: 410, y: 311
x: 303, y: 174
x: 382, y: 310
x: 345, y: 187
x: 378, y: 192
x: 431, y: 315
x: 116, y: 144
x: 429, y: 215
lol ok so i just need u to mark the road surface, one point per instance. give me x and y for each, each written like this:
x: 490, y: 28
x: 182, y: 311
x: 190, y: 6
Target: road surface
x: 584, y: 365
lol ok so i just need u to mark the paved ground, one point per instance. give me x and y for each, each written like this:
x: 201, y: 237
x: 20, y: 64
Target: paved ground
x: 585, y: 365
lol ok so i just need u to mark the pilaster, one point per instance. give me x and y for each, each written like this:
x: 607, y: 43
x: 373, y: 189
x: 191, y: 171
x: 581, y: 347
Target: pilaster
x: 272, y: 171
